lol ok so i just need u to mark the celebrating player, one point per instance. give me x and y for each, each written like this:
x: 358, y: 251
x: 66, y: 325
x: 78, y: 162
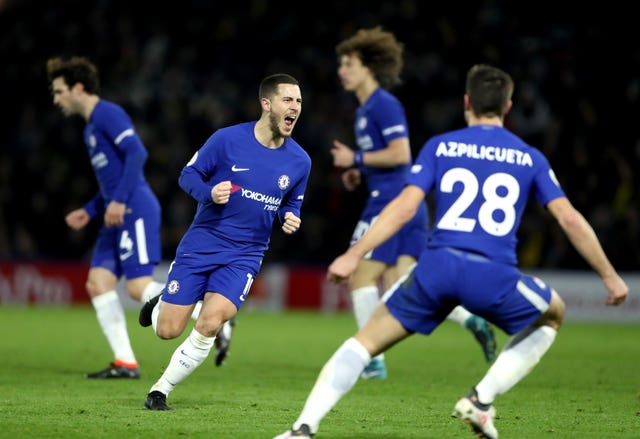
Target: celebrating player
x: 243, y: 177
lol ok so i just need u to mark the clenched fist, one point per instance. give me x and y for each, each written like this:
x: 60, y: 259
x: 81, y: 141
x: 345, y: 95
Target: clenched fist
x: 220, y: 192
x: 291, y: 223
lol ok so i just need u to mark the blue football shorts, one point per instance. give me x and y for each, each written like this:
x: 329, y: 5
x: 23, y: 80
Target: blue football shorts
x: 410, y: 240
x: 447, y: 277
x: 134, y: 248
x: 188, y: 281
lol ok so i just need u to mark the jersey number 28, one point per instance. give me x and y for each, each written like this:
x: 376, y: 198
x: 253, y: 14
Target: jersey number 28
x: 503, y: 201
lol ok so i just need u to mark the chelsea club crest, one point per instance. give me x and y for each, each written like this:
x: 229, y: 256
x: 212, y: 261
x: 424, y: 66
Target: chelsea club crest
x: 283, y: 182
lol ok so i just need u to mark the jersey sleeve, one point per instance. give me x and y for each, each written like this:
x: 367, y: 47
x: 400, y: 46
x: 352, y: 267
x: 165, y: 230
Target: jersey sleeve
x: 119, y: 129
x: 391, y: 120
x: 196, y: 175
x: 135, y: 156
x: 294, y: 198
x: 423, y: 170
x: 546, y: 185
x: 95, y: 205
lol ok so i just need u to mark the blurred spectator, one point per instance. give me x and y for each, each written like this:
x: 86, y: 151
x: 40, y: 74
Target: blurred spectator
x: 185, y: 71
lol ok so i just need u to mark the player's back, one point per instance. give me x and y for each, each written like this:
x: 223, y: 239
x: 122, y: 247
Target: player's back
x: 482, y: 177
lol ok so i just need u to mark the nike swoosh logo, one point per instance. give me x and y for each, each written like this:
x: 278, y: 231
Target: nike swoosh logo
x: 235, y: 169
x: 186, y: 355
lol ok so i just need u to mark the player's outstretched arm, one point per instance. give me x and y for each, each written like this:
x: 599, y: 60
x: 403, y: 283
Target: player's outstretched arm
x: 585, y: 241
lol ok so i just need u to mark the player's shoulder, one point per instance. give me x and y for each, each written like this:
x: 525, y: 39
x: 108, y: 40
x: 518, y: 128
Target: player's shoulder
x: 106, y: 106
x: 106, y: 111
x: 382, y: 93
x: 236, y: 129
x: 517, y: 142
x: 384, y: 98
x: 298, y: 151
x: 230, y: 134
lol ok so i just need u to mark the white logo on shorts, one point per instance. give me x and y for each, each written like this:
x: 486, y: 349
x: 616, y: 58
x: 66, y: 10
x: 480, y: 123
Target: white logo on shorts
x: 173, y: 287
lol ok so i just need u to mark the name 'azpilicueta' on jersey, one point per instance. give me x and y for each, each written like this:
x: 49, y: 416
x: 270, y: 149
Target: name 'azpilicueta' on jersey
x: 491, y: 153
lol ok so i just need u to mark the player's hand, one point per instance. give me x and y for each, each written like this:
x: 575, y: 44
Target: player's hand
x: 342, y: 155
x: 291, y: 223
x: 351, y: 179
x: 342, y: 267
x: 114, y: 215
x: 618, y: 289
x: 77, y: 219
x: 221, y: 192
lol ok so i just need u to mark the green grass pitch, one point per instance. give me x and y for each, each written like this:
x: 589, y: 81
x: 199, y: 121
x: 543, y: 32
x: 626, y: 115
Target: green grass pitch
x: 587, y: 386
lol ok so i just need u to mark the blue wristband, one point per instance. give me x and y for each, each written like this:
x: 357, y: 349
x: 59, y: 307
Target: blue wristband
x: 358, y: 158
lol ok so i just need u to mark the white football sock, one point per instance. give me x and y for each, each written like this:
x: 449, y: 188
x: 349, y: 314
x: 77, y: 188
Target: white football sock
x: 189, y: 355
x: 155, y: 312
x: 196, y: 310
x: 516, y: 360
x: 364, y: 301
x: 459, y: 315
x: 150, y: 291
x: 112, y: 321
x: 336, y: 378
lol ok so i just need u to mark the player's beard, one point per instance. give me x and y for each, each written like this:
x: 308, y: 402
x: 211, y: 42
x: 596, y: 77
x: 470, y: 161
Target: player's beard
x: 274, y: 124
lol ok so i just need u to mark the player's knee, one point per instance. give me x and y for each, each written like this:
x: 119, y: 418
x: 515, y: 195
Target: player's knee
x: 209, y: 325
x: 168, y: 331
x: 95, y: 288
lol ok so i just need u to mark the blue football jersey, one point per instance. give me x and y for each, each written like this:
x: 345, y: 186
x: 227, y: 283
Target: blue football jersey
x: 116, y: 152
x: 379, y: 120
x: 118, y: 157
x: 485, y: 176
x: 265, y: 182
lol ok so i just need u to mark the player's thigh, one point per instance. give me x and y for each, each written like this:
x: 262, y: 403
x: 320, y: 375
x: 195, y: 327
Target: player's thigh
x: 381, y: 332
x: 100, y: 280
x: 172, y: 319
x: 216, y: 309
x: 367, y: 273
x: 136, y: 286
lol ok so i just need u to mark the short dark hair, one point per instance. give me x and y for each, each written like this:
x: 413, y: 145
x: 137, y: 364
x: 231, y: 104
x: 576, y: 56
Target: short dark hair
x: 379, y: 51
x: 489, y: 90
x: 75, y: 70
x: 269, y: 85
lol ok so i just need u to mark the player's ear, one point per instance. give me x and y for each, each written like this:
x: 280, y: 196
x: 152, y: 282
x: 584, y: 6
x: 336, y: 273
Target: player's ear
x: 266, y: 104
x: 78, y: 87
x: 508, y: 107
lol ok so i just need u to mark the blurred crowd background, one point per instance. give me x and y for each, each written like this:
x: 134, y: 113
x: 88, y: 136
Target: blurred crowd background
x: 186, y: 68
